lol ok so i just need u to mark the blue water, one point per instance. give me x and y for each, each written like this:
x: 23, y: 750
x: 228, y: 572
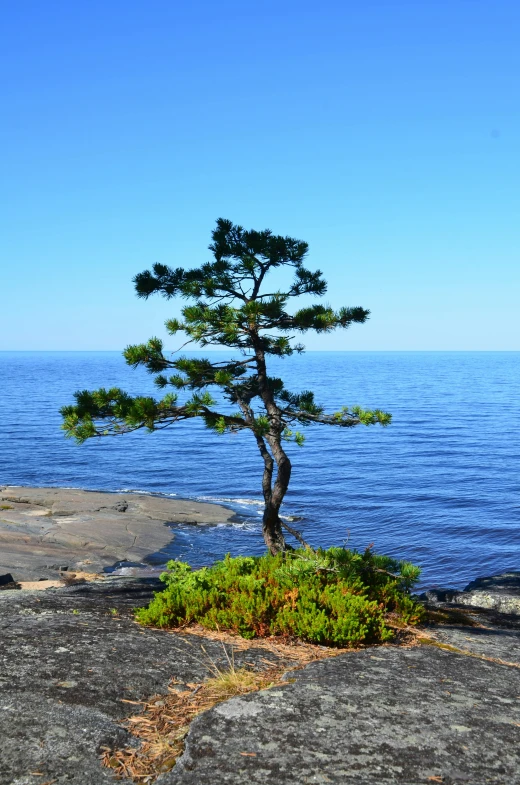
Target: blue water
x: 439, y: 487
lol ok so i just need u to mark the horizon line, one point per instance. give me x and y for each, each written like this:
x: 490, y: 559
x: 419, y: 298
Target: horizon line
x: 227, y: 351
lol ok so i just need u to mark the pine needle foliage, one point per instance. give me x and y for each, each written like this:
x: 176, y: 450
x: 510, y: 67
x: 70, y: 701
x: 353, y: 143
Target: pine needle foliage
x: 334, y: 597
x: 233, y: 305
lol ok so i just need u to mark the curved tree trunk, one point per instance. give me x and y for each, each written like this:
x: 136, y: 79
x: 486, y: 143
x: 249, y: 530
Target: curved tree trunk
x: 272, y: 530
x: 273, y: 495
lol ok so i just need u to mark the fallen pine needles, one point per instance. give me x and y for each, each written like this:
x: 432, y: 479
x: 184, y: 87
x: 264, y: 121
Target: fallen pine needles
x: 165, y: 721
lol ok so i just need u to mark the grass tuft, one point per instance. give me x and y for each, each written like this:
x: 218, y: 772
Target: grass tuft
x: 164, y: 723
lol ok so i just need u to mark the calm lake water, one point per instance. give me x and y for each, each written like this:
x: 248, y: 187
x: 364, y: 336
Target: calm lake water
x: 439, y: 487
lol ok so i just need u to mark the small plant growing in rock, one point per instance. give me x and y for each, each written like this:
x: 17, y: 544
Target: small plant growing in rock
x: 334, y: 597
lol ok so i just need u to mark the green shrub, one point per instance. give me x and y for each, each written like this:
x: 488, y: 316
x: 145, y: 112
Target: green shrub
x: 335, y: 597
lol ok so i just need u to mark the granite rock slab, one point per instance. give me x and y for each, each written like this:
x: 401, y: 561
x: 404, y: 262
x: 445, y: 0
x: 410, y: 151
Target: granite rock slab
x: 496, y: 592
x: 383, y: 715
x: 43, y: 530
x: 481, y: 632
x: 71, y: 662
x: 72, y: 658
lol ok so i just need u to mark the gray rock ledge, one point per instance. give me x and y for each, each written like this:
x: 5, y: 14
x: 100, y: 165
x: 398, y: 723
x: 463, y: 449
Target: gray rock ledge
x: 70, y: 658
x: 43, y: 530
x: 496, y: 592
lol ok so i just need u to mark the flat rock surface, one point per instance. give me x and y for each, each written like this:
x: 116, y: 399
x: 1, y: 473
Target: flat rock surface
x: 386, y: 715
x: 71, y: 658
x: 45, y: 529
x: 482, y: 632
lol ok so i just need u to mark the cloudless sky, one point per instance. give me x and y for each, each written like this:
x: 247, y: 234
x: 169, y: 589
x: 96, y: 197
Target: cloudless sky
x: 386, y: 133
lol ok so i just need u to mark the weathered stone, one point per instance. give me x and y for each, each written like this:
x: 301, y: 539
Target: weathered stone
x: 121, y: 506
x: 497, y: 592
x: 384, y: 715
x: 436, y: 596
x: 485, y: 633
x: 88, y: 531
x: 71, y: 658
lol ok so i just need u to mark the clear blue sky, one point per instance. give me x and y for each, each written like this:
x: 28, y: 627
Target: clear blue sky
x: 386, y: 133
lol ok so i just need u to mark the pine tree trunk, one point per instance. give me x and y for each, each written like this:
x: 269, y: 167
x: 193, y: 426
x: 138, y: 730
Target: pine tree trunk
x: 272, y: 530
x: 273, y: 495
x: 272, y: 525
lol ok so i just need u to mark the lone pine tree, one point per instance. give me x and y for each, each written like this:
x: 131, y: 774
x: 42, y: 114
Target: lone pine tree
x: 230, y: 308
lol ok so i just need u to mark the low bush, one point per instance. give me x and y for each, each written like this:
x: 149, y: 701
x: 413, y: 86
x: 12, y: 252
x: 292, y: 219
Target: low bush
x: 334, y: 597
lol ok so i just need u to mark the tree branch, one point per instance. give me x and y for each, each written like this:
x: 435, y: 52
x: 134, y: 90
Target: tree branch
x: 297, y: 534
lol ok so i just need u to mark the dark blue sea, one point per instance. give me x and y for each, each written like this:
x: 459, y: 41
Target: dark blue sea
x: 439, y: 487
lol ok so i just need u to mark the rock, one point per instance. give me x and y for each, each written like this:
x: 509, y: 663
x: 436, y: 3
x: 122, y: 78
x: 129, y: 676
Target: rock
x: 90, y: 531
x: 70, y: 668
x: 383, y: 715
x: 497, y: 592
x: 435, y: 596
x: 69, y: 665
x: 7, y: 582
x: 484, y: 633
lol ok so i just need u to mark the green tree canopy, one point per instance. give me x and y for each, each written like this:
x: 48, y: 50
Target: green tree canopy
x: 231, y: 305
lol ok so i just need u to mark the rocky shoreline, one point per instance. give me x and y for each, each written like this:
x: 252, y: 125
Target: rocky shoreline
x: 442, y: 705
x: 47, y: 531
x: 497, y: 592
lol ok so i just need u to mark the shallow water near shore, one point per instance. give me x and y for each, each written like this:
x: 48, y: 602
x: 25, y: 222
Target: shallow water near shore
x: 439, y: 487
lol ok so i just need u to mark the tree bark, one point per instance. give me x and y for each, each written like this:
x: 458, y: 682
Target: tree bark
x: 272, y: 530
x: 267, y: 478
x: 272, y: 526
x: 273, y: 495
